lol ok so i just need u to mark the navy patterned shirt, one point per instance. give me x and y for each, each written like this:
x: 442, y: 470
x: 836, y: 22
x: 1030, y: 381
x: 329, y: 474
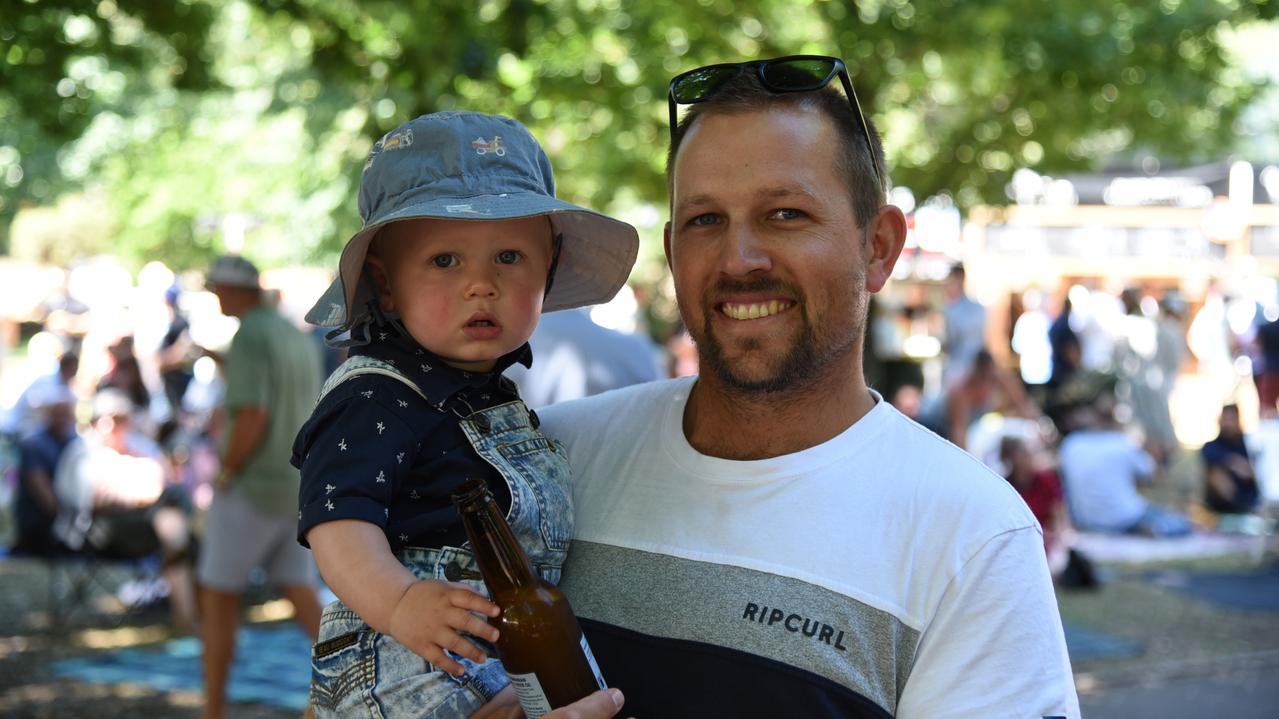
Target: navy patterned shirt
x: 376, y: 451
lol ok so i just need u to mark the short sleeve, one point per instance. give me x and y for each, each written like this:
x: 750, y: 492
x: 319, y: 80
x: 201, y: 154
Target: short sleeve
x: 353, y: 457
x: 248, y: 383
x: 995, y: 646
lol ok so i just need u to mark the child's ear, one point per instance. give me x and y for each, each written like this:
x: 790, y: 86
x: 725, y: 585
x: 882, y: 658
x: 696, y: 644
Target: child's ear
x: 381, y: 282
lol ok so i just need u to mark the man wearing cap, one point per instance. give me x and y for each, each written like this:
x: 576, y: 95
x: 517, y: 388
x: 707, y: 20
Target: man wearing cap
x: 272, y: 372
x: 772, y: 538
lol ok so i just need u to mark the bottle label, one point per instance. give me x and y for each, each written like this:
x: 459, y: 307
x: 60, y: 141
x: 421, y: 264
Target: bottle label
x: 529, y: 691
x: 590, y: 659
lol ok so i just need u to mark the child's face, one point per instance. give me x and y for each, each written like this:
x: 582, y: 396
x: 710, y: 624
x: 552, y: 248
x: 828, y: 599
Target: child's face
x: 468, y: 290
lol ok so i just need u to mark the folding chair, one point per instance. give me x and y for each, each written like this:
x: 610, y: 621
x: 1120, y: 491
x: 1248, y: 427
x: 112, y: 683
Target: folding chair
x: 77, y: 578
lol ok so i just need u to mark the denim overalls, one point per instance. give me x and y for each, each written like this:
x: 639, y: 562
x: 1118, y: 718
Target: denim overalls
x: 358, y: 672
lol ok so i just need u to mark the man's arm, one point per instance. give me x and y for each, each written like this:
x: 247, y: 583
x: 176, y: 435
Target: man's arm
x: 40, y: 485
x: 248, y: 427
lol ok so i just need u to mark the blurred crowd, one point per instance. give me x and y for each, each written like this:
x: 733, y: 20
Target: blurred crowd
x: 1074, y: 410
x: 110, y: 437
x: 111, y: 431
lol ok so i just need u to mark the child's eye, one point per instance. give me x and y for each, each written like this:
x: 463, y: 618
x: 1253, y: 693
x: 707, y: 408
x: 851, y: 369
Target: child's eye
x: 508, y: 257
x: 444, y: 261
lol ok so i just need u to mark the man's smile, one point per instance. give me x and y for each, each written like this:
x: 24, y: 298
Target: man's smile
x: 754, y: 310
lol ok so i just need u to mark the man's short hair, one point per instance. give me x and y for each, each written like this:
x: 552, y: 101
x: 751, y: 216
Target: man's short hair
x: 853, y: 162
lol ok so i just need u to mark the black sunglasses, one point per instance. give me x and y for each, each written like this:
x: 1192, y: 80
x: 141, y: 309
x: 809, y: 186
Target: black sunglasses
x: 793, y: 73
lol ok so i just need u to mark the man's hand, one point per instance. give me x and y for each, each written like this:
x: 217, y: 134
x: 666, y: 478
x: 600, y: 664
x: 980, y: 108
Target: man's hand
x: 602, y: 704
x: 430, y: 615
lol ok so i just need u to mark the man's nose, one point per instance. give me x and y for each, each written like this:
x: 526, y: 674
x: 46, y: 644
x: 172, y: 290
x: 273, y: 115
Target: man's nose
x: 745, y: 252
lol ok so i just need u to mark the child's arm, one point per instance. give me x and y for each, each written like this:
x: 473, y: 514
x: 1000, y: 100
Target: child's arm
x: 424, y: 616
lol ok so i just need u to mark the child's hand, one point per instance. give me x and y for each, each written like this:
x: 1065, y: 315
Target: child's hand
x: 430, y: 615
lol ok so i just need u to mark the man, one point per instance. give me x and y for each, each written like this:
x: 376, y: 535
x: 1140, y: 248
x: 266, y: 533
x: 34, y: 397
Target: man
x: 272, y: 375
x: 965, y: 326
x: 578, y: 358
x: 1231, y: 483
x: 24, y: 417
x: 1101, y: 467
x: 36, y: 504
x: 115, y: 499
x: 771, y: 538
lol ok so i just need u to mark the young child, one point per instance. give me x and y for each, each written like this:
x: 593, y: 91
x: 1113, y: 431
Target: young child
x: 463, y: 246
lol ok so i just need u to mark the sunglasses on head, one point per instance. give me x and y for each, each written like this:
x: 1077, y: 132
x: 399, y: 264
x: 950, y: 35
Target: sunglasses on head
x: 793, y: 73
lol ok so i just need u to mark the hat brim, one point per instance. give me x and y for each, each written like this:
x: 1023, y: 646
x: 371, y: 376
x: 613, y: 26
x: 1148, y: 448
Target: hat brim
x: 596, y: 256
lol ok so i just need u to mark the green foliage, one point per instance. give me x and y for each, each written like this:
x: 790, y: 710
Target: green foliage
x: 183, y: 112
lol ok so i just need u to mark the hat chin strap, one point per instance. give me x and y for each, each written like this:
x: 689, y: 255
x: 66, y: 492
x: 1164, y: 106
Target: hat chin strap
x: 555, y: 263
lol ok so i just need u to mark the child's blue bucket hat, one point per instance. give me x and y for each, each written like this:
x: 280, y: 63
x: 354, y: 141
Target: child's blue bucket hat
x: 471, y: 166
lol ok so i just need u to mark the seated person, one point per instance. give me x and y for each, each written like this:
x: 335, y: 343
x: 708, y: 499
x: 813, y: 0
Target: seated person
x: 114, y: 499
x: 980, y: 388
x: 1100, y: 468
x: 36, y: 505
x: 1231, y: 486
x: 1040, y: 487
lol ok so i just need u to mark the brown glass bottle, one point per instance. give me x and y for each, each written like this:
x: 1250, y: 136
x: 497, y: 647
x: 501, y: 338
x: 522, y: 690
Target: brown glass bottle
x: 540, y: 642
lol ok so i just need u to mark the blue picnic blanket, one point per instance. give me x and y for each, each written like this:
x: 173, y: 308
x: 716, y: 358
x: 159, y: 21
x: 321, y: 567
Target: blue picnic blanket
x: 272, y: 666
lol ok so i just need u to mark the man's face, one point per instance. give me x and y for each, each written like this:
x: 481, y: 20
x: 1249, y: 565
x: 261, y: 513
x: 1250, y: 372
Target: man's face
x: 768, y: 261
x: 1230, y: 426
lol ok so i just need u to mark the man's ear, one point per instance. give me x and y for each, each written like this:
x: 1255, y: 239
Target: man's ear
x: 381, y: 282
x: 666, y: 244
x: 886, y: 237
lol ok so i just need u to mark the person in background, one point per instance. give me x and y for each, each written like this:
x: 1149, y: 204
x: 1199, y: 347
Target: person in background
x: 23, y: 417
x: 36, y: 504
x: 272, y: 374
x: 124, y: 373
x: 1101, y: 467
x: 1030, y: 339
x: 964, y: 331
x: 907, y: 398
x: 116, y: 498
x: 1230, y: 484
x: 175, y: 357
x: 1040, y: 486
x: 982, y: 387
x: 578, y: 358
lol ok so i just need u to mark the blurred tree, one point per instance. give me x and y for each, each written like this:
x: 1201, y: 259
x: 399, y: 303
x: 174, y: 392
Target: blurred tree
x: 183, y: 112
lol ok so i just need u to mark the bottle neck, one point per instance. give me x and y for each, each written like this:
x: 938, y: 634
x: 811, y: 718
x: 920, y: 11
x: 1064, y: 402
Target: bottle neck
x: 502, y: 560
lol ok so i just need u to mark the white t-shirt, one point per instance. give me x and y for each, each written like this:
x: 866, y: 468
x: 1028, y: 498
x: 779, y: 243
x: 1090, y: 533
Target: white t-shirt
x: 881, y: 573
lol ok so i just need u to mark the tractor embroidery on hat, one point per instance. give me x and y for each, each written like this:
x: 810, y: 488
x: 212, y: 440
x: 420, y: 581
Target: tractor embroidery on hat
x: 397, y: 139
x: 483, y: 147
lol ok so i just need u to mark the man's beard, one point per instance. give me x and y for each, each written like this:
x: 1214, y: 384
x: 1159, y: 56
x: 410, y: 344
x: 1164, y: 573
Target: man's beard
x: 803, y: 363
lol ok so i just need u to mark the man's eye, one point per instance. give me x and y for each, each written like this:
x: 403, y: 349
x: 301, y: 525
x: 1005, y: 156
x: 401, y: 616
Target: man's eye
x: 444, y: 261
x: 786, y: 213
x: 704, y: 220
x: 508, y: 257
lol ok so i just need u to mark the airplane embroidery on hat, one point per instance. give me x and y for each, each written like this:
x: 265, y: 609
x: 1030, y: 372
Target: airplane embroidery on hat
x: 483, y: 147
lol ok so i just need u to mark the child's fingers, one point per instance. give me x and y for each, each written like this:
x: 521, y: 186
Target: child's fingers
x: 436, y: 656
x: 464, y: 621
x: 455, y: 643
x: 464, y: 597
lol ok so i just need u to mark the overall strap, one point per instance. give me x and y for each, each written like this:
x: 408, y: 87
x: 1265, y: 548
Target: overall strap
x: 362, y: 365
